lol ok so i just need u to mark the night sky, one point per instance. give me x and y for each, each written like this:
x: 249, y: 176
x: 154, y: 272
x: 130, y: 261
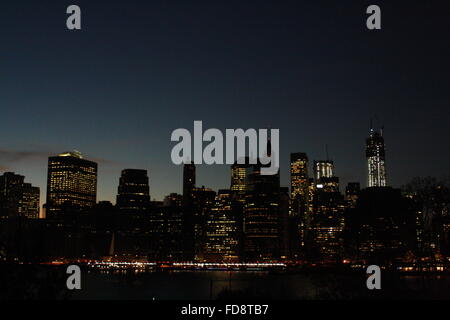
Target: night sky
x: 140, y: 69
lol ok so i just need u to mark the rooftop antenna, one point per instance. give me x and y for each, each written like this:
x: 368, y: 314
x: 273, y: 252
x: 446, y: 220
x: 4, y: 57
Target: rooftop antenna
x: 326, y: 152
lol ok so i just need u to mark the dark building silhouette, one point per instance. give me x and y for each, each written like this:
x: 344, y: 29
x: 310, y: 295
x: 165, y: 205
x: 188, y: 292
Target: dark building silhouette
x: 105, y: 216
x: 381, y: 228
x: 202, y: 202
x: 71, y: 183
x: 376, y: 159
x: 133, y: 194
x: 352, y: 193
x: 188, y: 183
x: 133, y: 205
x: 167, y: 237
x: 284, y: 223
x: 173, y: 200
x: 431, y: 197
x: 261, y: 215
x: 189, y: 219
x: 17, y: 198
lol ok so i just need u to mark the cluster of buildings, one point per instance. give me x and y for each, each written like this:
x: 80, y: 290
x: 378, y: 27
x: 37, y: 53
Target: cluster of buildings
x: 255, y: 219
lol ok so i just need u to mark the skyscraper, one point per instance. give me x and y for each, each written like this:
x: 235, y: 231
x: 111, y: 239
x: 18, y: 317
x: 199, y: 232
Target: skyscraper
x: 238, y: 172
x: 323, y: 236
x: 324, y: 176
x: 188, y: 183
x: 202, y: 201
x: 375, y: 155
x: 133, y: 193
x: 352, y: 193
x: 222, y: 230
x: 189, y: 215
x: 299, y: 176
x: 302, y: 190
x: 71, y: 182
x: 18, y: 198
x: 261, y: 215
x: 238, y: 178
x: 323, y: 169
x: 29, y: 204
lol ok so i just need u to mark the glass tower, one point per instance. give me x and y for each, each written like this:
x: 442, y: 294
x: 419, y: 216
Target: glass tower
x: 375, y: 155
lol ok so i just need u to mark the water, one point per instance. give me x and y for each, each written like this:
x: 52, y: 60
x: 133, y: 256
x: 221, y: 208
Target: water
x: 201, y: 285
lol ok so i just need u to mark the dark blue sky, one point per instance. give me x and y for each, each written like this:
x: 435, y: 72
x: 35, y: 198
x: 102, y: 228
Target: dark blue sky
x: 140, y: 69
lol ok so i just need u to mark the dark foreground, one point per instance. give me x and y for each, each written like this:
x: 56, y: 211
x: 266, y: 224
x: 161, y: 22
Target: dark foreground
x: 49, y: 282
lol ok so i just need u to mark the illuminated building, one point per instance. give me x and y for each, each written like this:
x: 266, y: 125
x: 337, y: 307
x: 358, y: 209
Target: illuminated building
x: 29, y: 204
x: 326, y: 222
x: 324, y: 176
x: 299, y: 178
x: 330, y: 184
x: 238, y: 178
x: 133, y: 193
x: 375, y: 155
x: 222, y: 230
x: 17, y: 198
x: 302, y: 190
x: 238, y: 172
x: 71, y: 183
x: 326, y: 225
x: 323, y: 169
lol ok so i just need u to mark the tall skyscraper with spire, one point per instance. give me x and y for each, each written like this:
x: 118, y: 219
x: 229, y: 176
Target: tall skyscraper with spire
x: 376, y: 159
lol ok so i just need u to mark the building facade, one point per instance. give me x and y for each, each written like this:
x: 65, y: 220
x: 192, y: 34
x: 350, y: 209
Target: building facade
x: 17, y: 198
x: 133, y: 193
x: 376, y: 159
x: 223, y: 227
x: 71, y: 183
x: 261, y: 215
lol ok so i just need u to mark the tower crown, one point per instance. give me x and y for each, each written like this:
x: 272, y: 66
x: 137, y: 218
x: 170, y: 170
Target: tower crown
x: 74, y: 154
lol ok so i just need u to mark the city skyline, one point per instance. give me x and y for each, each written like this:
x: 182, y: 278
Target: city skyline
x: 217, y: 186
x: 158, y: 67
x: 219, y: 150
